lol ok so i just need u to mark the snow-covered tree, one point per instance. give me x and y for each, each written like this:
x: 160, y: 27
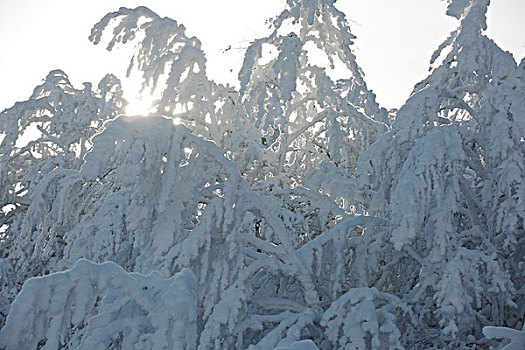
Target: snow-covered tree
x: 103, y: 307
x: 52, y: 129
x: 173, y: 67
x: 303, y: 116
x: 295, y: 213
x: 429, y: 176
x: 56, y: 123
x: 193, y: 211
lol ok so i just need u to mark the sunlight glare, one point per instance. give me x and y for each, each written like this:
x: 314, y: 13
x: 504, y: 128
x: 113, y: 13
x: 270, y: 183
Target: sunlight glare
x: 141, y: 100
x: 140, y: 106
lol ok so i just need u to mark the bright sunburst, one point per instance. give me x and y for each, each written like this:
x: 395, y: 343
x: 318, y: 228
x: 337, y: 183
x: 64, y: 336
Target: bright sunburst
x: 141, y: 100
x: 141, y: 105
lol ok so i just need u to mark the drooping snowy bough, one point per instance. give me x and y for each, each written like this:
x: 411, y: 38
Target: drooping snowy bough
x: 295, y: 213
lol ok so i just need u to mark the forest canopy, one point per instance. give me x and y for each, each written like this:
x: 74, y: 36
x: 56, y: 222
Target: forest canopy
x: 293, y: 212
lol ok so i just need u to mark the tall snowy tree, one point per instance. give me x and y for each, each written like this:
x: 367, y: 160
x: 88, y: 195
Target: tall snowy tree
x: 51, y: 130
x: 303, y: 116
x: 429, y: 174
x: 310, y: 124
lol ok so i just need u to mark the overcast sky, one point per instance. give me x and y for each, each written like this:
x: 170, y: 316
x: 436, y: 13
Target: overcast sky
x: 395, y: 38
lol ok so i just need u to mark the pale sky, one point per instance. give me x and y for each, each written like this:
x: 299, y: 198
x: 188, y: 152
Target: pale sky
x: 395, y: 38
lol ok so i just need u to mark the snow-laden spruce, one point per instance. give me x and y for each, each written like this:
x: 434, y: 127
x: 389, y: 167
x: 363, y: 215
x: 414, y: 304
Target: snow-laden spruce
x: 295, y: 213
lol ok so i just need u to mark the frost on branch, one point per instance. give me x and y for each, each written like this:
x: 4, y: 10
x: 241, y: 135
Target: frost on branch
x: 55, y: 124
x: 164, y: 44
x: 102, y: 306
x: 107, y: 211
x: 52, y: 129
x: 194, y: 211
x: 307, y: 218
x: 430, y: 176
x: 363, y: 318
x: 303, y: 117
x: 173, y: 66
x: 514, y: 339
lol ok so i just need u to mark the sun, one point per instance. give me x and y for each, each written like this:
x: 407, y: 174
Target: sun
x: 140, y: 98
x: 139, y: 106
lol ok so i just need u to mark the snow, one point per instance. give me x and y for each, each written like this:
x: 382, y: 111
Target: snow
x: 96, y: 306
x: 295, y: 213
x: 517, y: 338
